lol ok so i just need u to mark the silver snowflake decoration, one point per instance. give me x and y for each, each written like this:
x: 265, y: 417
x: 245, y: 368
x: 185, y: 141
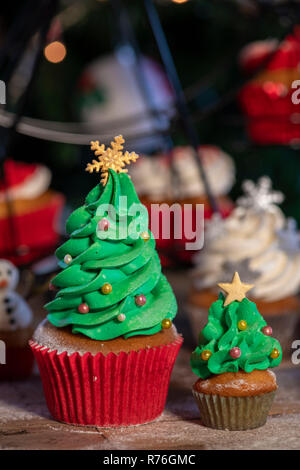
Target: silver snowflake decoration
x: 214, y: 227
x: 289, y: 237
x: 259, y: 196
x: 242, y: 267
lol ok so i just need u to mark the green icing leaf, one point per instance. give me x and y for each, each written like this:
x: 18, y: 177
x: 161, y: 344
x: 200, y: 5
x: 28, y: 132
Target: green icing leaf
x: 73, y: 276
x: 79, y: 218
x: 72, y: 247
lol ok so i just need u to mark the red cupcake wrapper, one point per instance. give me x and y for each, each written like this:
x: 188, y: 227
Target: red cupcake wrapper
x: 113, y: 390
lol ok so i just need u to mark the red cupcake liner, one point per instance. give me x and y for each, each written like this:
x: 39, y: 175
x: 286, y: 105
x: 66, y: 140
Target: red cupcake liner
x: 107, y: 391
x: 19, y: 364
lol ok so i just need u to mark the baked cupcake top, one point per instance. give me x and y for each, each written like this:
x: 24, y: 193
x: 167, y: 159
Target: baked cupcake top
x: 236, y: 337
x: 111, y: 283
x: 255, y: 240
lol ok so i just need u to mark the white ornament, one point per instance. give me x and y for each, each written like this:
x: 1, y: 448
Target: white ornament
x: 14, y: 311
x: 260, y: 196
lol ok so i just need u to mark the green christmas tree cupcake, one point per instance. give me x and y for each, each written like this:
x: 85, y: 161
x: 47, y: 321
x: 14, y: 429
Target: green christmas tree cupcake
x: 236, y: 388
x: 108, y: 346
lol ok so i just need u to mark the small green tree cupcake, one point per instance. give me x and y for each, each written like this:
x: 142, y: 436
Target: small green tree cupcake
x: 236, y: 388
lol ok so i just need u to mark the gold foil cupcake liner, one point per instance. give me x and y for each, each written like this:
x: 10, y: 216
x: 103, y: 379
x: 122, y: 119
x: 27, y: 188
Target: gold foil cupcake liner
x: 234, y: 413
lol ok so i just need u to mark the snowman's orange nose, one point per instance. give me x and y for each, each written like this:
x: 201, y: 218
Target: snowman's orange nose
x: 3, y: 283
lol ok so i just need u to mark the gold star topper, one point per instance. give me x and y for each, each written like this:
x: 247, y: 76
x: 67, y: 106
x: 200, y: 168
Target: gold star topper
x: 235, y: 290
x: 110, y: 158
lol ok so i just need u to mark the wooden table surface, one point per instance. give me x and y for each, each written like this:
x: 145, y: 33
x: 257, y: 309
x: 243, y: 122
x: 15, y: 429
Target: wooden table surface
x: 26, y: 424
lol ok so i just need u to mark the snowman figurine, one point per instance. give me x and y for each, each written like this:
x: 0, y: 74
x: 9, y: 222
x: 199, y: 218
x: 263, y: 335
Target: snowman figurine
x: 14, y: 311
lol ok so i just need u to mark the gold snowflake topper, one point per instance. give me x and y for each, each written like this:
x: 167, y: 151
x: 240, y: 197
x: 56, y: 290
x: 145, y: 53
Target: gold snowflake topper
x: 110, y: 158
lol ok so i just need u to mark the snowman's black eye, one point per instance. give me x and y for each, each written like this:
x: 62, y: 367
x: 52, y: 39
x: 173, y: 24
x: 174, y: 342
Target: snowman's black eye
x: 9, y: 272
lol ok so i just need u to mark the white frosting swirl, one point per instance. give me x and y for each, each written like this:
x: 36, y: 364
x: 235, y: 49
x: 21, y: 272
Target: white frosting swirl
x: 251, y: 238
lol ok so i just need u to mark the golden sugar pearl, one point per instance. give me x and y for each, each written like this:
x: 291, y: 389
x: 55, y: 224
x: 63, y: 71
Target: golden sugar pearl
x: 166, y: 323
x: 242, y: 325
x: 121, y: 317
x: 106, y: 288
x: 68, y: 259
x: 275, y: 353
x: 205, y: 355
x: 145, y: 236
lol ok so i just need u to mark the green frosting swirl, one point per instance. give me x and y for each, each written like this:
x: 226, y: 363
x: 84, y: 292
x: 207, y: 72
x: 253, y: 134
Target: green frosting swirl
x: 118, y: 256
x: 221, y: 334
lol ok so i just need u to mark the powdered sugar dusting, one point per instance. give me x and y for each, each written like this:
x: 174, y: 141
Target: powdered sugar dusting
x: 21, y: 401
x: 49, y: 340
x: 236, y: 384
x: 272, y: 374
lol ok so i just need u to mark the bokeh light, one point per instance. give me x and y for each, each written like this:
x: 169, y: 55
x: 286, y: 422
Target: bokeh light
x: 55, y: 52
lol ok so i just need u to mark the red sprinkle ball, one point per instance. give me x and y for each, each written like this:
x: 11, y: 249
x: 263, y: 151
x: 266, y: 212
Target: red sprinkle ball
x: 103, y: 225
x: 235, y: 353
x: 267, y: 330
x: 140, y: 300
x: 83, y: 308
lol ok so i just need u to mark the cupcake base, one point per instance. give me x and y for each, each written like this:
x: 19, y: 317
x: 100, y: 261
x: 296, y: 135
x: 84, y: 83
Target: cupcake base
x: 234, y: 413
x: 235, y: 400
x: 106, y: 389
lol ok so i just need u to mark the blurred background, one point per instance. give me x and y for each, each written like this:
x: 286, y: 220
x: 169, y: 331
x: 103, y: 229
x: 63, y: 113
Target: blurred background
x: 172, y: 76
